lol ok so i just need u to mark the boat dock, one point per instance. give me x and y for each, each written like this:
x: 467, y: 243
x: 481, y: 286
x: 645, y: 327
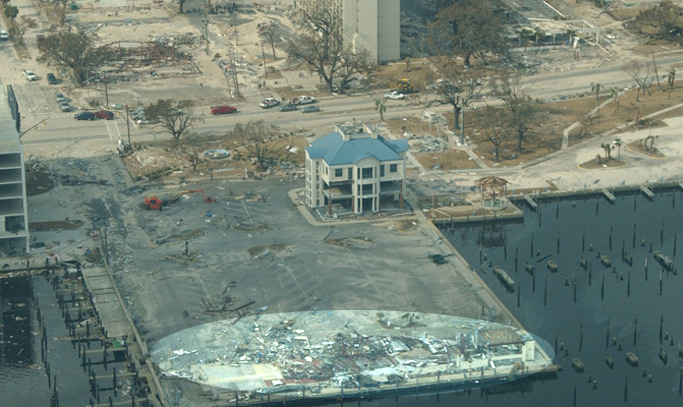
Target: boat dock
x: 531, y: 202
x: 610, y: 196
x: 648, y: 193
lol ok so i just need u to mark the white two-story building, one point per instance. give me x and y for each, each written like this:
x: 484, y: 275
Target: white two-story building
x: 354, y: 170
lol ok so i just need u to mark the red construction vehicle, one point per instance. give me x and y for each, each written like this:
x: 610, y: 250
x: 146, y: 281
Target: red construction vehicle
x: 156, y: 203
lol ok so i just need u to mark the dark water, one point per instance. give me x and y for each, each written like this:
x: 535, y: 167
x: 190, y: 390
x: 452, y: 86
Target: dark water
x: 23, y: 381
x: 657, y: 222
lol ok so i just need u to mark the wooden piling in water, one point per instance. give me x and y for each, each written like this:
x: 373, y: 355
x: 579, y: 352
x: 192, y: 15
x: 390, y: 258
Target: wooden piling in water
x: 545, y: 292
x: 635, y: 330
x: 602, y: 288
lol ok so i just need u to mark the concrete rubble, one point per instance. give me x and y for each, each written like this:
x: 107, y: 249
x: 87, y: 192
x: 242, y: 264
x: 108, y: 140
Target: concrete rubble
x: 333, y: 353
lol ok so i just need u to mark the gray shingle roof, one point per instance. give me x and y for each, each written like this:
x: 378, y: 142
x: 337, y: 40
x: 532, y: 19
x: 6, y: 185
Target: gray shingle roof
x: 335, y: 151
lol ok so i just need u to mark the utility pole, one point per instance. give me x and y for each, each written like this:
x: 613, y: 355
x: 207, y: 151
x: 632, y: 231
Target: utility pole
x: 234, y: 73
x: 234, y: 20
x: 127, y: 124
x: 205, y: 21
x: 106, y: 92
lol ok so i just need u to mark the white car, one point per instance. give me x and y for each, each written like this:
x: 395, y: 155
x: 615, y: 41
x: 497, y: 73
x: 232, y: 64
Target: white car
x: 303, y: 100
x: 394, y: 95
x: 3, y: 35
x: 30, y: 75
x: 269, y: 102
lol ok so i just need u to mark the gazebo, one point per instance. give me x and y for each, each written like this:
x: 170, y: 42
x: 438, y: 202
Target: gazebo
x: 492, y: 187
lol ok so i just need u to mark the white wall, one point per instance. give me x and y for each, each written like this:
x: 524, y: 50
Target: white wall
x: 373, y: 25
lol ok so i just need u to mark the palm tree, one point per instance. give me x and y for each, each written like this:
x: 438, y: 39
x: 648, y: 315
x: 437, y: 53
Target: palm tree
x: 538, y: 32
x: 614, y: 93
x: 523, y: 33
x: 618, y: 142
x: 608, y: 150
x: 595, y: 87
x: 381, y: 107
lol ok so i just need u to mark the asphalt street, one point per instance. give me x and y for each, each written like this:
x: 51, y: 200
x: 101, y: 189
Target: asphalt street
x: 37, y: 103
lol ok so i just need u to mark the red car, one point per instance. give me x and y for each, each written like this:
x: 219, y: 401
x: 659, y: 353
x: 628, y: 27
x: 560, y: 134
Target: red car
x: 104, y: 114
x: 225, y: 109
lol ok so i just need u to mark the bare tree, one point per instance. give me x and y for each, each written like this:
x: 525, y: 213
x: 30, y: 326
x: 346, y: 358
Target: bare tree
x: 352, y: 65
x: 458, y: 88
x: 76, y: 51
x: 521, y: 111
x: 24, y: 24
x: 641, y: 73
x: 268, y: 33
x: 11, y: 12
x: 194, y: 156
x: 467, y: 28
x: 321, y: 48
x: 173, y: 116
x: 496, y: 133
x: 260, y: 140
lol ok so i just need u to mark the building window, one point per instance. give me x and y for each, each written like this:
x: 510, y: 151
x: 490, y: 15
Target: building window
x: 326, y: 170
x: 367, y: 172
x: 338, y: 172
x: 393, y: 167
x: 350, y: 173
x: 381, y: 170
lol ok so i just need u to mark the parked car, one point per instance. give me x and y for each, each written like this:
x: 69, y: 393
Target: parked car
x: 85, y: 116
x: 30, y: 75
x: 3, y: 35
x: 287, y: 108
x: 269, y: 102
x: 394, y: 95
x: 104, y: 114
x: 224, y: 109
x: 310, y: 109
x: 139, y: 114
x: 52, y: 79
x: 65, y: 107
x: 60, y: 97
x: 303, y: 100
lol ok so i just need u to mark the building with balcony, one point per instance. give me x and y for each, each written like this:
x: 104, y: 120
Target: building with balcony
x: 355, y: 170
x: 14, y: 237
x: 373, y: 25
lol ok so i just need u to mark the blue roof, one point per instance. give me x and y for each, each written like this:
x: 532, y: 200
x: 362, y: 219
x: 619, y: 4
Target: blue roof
x: 335, y: 151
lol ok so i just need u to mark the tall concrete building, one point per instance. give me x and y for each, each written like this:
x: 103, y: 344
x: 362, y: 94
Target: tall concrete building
x: 374, y: 25
x: 14, y: 237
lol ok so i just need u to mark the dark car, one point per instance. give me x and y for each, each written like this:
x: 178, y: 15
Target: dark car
x: 224, y: 109
x: 52, y: 79
x: 104, y: 114
x: 287, y: 108
x: 310, y: 109
x: 85, y: 116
